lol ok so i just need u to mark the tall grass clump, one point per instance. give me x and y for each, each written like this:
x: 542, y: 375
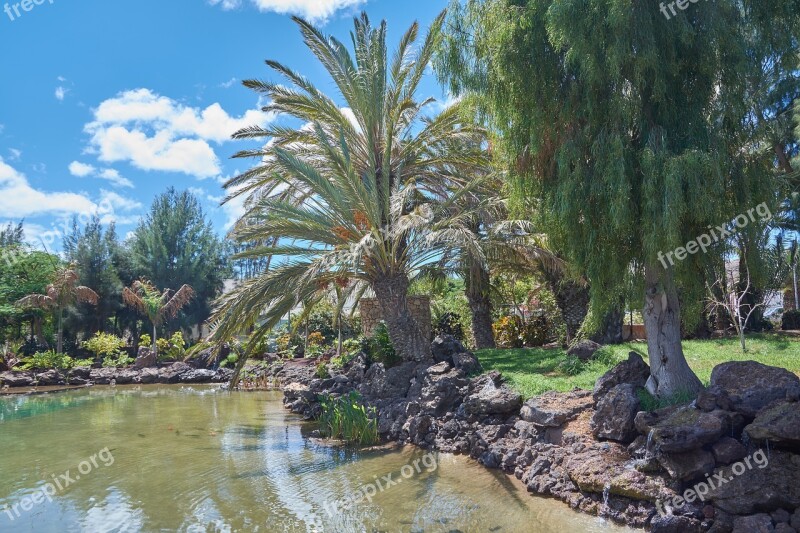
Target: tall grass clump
x: 348, y: 419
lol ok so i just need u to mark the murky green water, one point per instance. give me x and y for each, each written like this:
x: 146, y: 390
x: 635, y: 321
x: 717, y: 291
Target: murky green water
x: 200, y: 459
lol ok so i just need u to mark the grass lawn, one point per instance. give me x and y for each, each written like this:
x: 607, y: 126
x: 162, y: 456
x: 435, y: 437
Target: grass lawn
x: 535, y: 371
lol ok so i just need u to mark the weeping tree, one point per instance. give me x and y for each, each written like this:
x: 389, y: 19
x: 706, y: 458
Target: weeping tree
x: 358, y: 196
x: 62, y: 293
x: 628, y: 130
x: 156, y: 305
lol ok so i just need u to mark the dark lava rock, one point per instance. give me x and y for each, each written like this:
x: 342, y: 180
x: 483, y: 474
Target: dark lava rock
x: 102, y: 376
x: 757, y: 523
x: 584, y: 349
x: 795, y: 521
x: 198, y: 376
x: 614, y: 415
x: 146, y: 358
x: 16, y: 379
x: 492, y: 400
x: 675, y: 524
x: 50, y: 378
x: 444, y: 347
x: 392, y: 383
x: 773, y: 487
x: 633, y: 371
x: 751, y: 386
x: 173, y: 373
x: 554, y: 409
x: 467, y: 362
x: 687, y: 466
x: 728, y: 450
x: 682, y: 429
x: 779, y: 424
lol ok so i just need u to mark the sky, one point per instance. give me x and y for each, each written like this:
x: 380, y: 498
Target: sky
x: 104, y: 104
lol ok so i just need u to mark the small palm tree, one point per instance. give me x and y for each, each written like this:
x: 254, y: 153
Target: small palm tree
x: 61, y: 294
x: 157, y: 306
x: 359, y: 197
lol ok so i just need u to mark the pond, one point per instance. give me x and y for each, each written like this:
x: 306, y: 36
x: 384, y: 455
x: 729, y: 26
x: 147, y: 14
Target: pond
x: 180, y: 458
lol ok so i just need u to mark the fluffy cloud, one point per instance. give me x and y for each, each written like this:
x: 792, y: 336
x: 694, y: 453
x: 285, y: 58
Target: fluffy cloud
x: 314, y: 10
x: 82, y: 170
x: 154, y: 132
x: 18, y: 199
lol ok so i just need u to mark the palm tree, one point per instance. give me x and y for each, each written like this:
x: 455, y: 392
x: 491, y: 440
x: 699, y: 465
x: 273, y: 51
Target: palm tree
x: 62, y: 293
x: 157, y: 306
x: 358, y: 196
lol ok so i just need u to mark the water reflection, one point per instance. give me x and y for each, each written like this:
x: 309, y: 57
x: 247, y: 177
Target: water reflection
x: 202, y: 459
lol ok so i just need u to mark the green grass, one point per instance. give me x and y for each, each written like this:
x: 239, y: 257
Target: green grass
x: 535, y: 371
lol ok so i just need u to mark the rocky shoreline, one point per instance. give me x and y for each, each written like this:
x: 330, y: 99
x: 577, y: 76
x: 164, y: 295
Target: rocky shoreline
x: 87, y: 376
x: 596, y: 450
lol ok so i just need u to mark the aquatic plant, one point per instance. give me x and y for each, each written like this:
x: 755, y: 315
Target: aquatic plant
x: 348, y: 419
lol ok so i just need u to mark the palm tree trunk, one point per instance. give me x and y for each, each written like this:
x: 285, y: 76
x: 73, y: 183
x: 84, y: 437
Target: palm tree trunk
x: 392, y: 295
x: 480, y: 305
x: 669, y: 372
x: 155, y: 338
x: 60, y: 347
x: 572, y: 300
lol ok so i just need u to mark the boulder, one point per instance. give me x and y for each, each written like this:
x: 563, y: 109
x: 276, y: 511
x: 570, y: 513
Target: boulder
x: 492, y: 400
x: 380, y: 383
x: 687, y: 466
x: 584, y: 349
x: 728, y: 450
x: 442, y: 391
x: 675, y: 524
x: 198, y: 376
x: 173, y: 373
x: 614, y: 415
x: 682, y: 429
x: 49, y: 378
x: 148, y: 376
x: 633, y: 371
x: 16, y: 379
x: 467, y: 362
x: 102, y: 376
x: 765, y: 485
x: 751, y: 386
x: 444, y: 347
x: 757, y: 523
x: 146, y: 358
x: 593, y: 469
x: 784, y: 528
x: 795, y: 520
x: 554, y: 409
x: 779, y: 424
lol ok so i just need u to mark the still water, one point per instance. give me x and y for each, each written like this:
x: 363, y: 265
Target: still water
x: 198, y: 459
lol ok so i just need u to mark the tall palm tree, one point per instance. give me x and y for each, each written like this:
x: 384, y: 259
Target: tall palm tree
x: 62, y: 293
x: 157, y: 306
x: 357, y: 196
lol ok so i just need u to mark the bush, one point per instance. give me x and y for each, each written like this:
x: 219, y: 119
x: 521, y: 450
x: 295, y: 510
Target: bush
x: 230, y: 361
x: 145, y: 340
x: 348, y: 419
x: 350, y: 350
x: 537, y: 332
x: 449, y: 324
x: 47, y: 360
x: 379, y: 347
x: 322, y: 370
x: 572, y: 365
x: 287, y: 345
x: 790, y: 320
x: 508, y: 332
x: 118, y: 360
x: 173, y: 348
x: 104, y: 345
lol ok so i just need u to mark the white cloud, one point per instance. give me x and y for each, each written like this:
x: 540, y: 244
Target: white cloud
x: 15, y: 154
x: 61, y: 92
x: 82, y: 170
x: 228, y: 84
x: 314, y: 10
x: 154, y: 132
x: 18, y: 199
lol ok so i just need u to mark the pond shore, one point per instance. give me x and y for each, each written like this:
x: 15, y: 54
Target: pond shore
x: 55, y: 380
x: 595, y: 450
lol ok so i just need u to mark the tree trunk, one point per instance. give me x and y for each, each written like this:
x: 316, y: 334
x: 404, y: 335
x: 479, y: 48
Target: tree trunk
x: 392, y: 295
x: 155, y: 338
x: 60, y: 340
x: 611, y: 329
x: 669, y: 372
x: 572, y: 300
x: 480, y: 305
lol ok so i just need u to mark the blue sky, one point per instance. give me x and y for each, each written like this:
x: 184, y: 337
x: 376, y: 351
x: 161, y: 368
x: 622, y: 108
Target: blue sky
x: 107, y: 103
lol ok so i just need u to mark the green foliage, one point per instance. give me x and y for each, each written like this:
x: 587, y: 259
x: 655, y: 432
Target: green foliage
x: 648, y: 402
x: 145, y: 340
x: 174, y: 245
x: 231, y: 360
x: 379, y: 347
x: 508, y: 332
x: 287, y: 345
x: 449, y: 324
x: 350, y: 350
x: 790, y: 320
x: 322, y: 319
x: 48, y: 360
x: 117, y: 360
x: 348, y: 419
x: 322, y: 370
x: 172, y: 349
x: 22, y: 272
x: 104, y: 344
x: 571, y: 365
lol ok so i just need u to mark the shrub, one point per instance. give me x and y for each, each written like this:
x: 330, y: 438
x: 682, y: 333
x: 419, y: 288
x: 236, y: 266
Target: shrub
x: 173, y: 348
x: 322, y: 370
x: 508, y: 332
x: 536, y: 332
x: 449, y: 324
x: 348, y: 419
x: 350, y: 349
x: 648, y: 402
x: 315, y: 338
x: 379, y: 347
x: 287, y: 345
x: 117, y: 360
x: 790, y: 320
x: 230, y: 361
x: 571, y: 365
x: 47, y: 360
x: 145, y: 340
x: 104, y: 345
